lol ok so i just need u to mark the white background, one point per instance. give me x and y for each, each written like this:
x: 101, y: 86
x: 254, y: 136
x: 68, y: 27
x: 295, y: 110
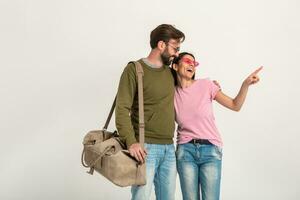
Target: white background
x: 60, y: 63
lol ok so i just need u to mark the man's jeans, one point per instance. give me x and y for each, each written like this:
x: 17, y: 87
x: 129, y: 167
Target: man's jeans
x: 160, y: 169
x: 199, y: 166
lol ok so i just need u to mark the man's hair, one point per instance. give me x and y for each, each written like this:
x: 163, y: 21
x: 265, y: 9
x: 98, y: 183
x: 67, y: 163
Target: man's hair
x: 165, y: 32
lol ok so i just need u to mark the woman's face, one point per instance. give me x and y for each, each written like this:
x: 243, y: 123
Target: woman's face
x: 186, y: 67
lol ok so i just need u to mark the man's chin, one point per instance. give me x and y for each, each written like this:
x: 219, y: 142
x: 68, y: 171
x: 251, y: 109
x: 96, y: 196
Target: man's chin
x: 167, y: 62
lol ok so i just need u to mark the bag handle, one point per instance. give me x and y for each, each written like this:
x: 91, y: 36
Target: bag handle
x: 140, y: 74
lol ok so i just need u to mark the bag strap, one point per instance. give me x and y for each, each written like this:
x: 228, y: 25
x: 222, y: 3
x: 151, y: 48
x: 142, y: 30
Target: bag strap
x: 139, y: 74
x: 110, y: 115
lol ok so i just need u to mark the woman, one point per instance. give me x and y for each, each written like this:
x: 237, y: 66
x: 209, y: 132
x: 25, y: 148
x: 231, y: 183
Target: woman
x: 199, y: 149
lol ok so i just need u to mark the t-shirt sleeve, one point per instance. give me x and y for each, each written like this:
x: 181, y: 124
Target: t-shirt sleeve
x: 214, y: 89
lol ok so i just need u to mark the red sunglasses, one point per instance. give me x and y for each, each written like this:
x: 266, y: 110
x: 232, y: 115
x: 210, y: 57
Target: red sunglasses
x: 190, y: 62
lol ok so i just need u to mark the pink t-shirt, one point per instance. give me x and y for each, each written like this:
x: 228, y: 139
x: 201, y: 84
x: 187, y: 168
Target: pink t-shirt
x: 194, y: 112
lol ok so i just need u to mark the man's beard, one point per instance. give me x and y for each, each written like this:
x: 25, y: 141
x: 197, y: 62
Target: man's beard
x: 166, y: 58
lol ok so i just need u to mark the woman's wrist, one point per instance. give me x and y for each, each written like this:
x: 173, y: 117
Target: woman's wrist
x: 245, y: 84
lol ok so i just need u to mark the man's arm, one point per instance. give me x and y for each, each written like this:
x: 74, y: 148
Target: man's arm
x: 125, y: 96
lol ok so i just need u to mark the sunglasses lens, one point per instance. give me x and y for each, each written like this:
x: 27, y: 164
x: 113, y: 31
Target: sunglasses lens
x: 190, y: 62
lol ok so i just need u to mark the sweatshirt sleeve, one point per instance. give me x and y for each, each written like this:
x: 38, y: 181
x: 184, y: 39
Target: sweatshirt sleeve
x: 125, y: 97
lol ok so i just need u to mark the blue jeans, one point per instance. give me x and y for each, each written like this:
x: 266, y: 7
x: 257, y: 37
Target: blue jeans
x: 199, y: 168
x: 160, y: 170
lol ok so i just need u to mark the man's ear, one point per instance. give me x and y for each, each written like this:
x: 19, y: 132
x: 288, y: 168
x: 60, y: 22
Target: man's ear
x: 161, y: 45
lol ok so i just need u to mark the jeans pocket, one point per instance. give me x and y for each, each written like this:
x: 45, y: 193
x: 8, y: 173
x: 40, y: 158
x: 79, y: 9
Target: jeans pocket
x: 147, y: 146
x: 219, y: 150
x: 179, y: 152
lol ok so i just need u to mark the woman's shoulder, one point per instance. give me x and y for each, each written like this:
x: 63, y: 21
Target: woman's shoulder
x: 204, y: 80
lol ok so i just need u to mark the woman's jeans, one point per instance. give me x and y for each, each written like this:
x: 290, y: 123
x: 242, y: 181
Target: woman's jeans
x: 199, y: 168
x: 160, y: 170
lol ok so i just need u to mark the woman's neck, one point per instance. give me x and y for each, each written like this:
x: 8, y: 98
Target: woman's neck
x: 184, y: 82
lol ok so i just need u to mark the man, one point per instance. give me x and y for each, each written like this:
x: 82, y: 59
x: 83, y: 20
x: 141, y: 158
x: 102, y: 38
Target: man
x: 159, y: 113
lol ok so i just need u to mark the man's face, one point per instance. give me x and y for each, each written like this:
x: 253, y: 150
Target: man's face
x: 171, y: 51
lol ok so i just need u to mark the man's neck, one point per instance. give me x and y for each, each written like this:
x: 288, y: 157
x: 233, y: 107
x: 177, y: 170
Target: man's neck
x: 154, y: 58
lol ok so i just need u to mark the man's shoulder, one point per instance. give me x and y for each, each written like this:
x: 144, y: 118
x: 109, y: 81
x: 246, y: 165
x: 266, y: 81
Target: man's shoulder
x: 131, y: 66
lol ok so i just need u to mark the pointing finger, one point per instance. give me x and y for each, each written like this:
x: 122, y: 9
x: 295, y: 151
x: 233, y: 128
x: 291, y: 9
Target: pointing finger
x: 256, y: 71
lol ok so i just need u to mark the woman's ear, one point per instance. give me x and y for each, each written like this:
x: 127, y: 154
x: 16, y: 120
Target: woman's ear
x: 175, y: 67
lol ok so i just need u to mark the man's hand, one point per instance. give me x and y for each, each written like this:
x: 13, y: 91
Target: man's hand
x: 137, y: 152
x: 217, y: 84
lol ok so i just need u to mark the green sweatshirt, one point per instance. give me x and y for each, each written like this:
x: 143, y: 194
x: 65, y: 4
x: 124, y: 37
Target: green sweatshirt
x: 158, y: 105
